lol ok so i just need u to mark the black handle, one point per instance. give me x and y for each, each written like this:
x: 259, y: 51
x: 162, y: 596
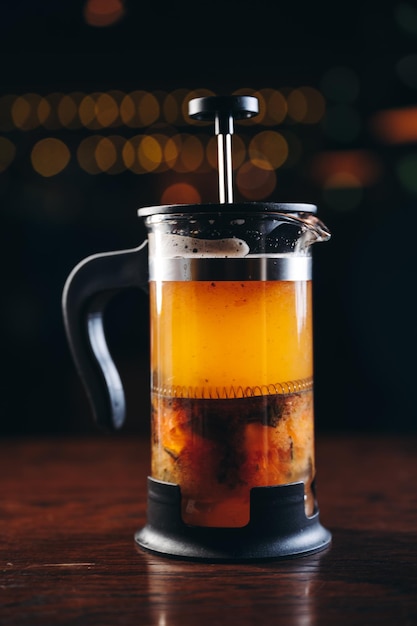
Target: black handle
x: 88, y: 289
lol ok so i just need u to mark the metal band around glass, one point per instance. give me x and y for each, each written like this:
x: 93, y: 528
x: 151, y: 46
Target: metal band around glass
x: 291, y: 268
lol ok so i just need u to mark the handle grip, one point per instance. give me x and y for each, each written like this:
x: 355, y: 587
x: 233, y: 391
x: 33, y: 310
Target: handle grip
x: 88, y: 289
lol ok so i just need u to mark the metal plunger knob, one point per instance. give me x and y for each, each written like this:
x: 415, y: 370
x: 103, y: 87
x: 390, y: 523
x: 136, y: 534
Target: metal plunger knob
x: 223, y: 110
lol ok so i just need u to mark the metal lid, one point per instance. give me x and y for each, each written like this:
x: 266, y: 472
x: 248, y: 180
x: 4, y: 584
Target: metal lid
x: 239, y: 207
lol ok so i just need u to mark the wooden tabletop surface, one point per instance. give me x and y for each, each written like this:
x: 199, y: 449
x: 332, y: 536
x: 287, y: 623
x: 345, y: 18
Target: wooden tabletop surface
x: 69, y: 508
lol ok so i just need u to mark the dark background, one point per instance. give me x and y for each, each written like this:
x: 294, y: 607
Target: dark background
x: 364, y: 278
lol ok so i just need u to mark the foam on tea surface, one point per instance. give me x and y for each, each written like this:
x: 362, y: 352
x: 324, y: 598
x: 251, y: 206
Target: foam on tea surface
x: 171, y: 246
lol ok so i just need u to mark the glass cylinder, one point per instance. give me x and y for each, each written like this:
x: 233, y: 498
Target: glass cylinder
x: 232, y: 355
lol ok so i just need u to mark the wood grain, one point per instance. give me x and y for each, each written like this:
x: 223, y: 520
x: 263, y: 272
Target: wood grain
x: 69, y: 509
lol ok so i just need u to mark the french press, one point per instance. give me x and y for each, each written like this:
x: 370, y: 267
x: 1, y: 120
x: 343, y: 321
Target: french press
x: 232, y: 422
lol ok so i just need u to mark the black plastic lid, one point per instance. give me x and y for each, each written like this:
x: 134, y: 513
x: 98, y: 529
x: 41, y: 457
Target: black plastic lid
x: 238, y: 207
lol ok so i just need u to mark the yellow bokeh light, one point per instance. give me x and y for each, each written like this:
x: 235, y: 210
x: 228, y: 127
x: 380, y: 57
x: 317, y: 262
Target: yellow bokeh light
x: 130, y: 155
x: 68, y: 111
x: 106, y: 110
x: 47, y: 111
x: 172, y: 106
x: 139, y: 108
x: 149, y: 153
x: 7, y: 153
x: 6, y: 120
x: 268, y: 147
x: 108, y: 154
x: 149, y: 109
x: 50, y: 156
x: 255, y: 181
x: 87, y: 112
x: 86, y: 154
x: 306, y: 104
x: 191, y: 154
x: 181, y: 193
x: 105, y: 154
x: 24, y: 111
x: 297, y: 105
x: 172, y: 150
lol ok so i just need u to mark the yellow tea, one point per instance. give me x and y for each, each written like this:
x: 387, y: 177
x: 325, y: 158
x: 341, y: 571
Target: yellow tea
x: 232, y: 392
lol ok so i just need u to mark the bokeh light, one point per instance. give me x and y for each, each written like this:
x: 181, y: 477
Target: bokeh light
x: 190, y: 153
x: 67, y: 112
x: 7, y: 153
x: 273, y: 107
x: 47, y: 111
x: 406, y: 170
x: 24, y: 111
x: 86, y: 156
x: 139, y: 108
x: 6, y: 119
x: 50, y: 156
x: 101, y: 13
x: 354, y: 167
x: 181, y: 193
x: 149, y: 153
x: 268, y: 148
x: 109, y: 154
x: 255, y: 181
x: 395, y: 125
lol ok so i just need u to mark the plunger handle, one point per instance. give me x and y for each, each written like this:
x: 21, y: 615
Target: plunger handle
x: 224, y: 110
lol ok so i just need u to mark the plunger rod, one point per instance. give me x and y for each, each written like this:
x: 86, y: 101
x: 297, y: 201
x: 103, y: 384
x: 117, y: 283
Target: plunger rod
x: 223, y: 110
x: 224, y: 157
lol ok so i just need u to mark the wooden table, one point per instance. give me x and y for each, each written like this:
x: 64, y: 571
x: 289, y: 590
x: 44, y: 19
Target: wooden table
x: 69, y: 509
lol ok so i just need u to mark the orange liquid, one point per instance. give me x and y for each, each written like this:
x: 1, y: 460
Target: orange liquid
x: 232, y: 398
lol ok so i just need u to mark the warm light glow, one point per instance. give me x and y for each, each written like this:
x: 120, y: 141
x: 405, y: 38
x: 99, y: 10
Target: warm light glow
x: 306, y: 104
x: 272, y: 107
x: 191, y: 154
x: 149, y: 153
x: 24, y: 111
x: 6, y: 120
x: 346, y: 168
x: 50, y: 156
x: 86, y: 154
x: 103, y: 12
x: 108, y: 154
x: 139, y: 108
x: 68, y: 110
x: 87, y: 112
x: 181, y: 193
x: 7, y: 153
x: 47, y: 111
x: 268, y: 147
x: 130, y: 154
x: 106, y: 110
x: 396, y: 125
x: 172, y: 106
x: 255, y: 182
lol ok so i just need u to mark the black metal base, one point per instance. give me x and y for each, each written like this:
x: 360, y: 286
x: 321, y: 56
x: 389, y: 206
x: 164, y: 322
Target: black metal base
x: 278, y: 527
